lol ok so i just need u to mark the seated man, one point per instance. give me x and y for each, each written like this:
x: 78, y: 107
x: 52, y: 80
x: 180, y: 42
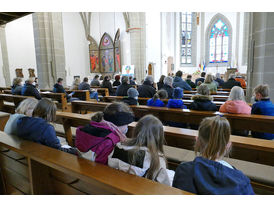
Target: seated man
x: 122, y: 89
x: 179, y: 82
x: 95, y: 81
x: 146, y: 89
x: 85, y: 86
x: 132, y: 98
x: 191, y: 83
x: 131, y: 82
x: 201, y: 79
x: 231, y: 82
x: 29, y: 89
x: 219, y: 79
x: 58, y: 88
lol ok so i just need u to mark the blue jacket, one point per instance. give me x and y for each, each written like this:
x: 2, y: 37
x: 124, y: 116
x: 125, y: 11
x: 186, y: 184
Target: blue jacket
x: 30, y: 90
x: 176, y: 103
x: 38, y: 130
x: 179, y: 82
x: 207, y: 177
x: 157, y: 103
x: 263, y: 107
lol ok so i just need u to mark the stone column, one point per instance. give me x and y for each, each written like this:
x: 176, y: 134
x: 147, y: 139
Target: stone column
x: 49, y: 48
x: 6, y: 69
x: 138, y: 43
x: 260, y: 68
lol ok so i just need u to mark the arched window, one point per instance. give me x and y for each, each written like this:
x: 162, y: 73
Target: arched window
x: 219, y: 41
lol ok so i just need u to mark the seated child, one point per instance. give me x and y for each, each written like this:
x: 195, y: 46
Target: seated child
x: 25, y: 108
x: 156, y: 100
x: 38, y: 129
x: 263, y: 106
x: 132, y: 98
x: 177, y: 101
x: 97, y: 139
x: 208, y: 174
x: 143, y: 155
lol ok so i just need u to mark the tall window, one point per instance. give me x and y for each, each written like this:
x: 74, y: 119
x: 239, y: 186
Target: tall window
x: 186, y: 37
x: 218, y: 43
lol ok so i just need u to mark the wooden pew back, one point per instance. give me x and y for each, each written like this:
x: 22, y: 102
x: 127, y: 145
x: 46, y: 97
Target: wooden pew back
x: 60, y: 97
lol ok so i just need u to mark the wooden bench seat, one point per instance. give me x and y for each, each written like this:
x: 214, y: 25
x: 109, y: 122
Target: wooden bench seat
x: 50, y: 171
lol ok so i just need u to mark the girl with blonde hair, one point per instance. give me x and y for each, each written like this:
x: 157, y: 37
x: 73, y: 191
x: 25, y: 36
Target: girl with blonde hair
x: 208, y: 174
x: 143, y: 155
x: 210, y: 83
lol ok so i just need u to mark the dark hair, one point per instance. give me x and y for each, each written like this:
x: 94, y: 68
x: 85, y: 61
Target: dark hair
x: 124, y: 79
x: 203, y: 74
x: 161, y: 80
x: 179, y: 73
x: 45, y: 109
x: 59, y: 80
x: 85, y: 79
x: 161, y: 94
x: 189, y: 76
x: 96, y: 76
x: 117, y: 77
x: 130, y: 77
x: 105, y: 78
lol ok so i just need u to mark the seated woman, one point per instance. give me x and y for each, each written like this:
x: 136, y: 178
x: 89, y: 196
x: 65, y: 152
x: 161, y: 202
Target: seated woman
x: 38, y: 129
x: 16, y: 87
x: 132, y: 98
x: 97, y: 139
x: 117, y: 81
x: 107, y: 84
x: 208, y: 174
x: 143, y: 155
x: 156, y: 100
x: 210, y: 83
x: 25, y: 108
x: 160, y: 84
x: 168, y: 81
x: 75, y: 84
x: 236, y: 105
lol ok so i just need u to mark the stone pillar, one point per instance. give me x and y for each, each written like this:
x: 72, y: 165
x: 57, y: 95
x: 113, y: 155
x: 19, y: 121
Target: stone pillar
x: 49, y: 48
x: 6, y: 69
x: 138, y: 43
x: 260, y: 67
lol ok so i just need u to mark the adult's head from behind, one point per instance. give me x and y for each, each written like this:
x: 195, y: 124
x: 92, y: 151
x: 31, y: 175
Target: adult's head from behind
x: 85, y: 79
x: 76, y: 81
x: 17, y: 81
x: 161, y: 80
x: 117, y: 77
x: 130, y: 77
x: 160, y: 94
x: 27, y: 106
x: 203, y: 74
x: 133, y: 93
x: 179, y: 73
x: 30, y: 80
x: 45, y: 109
x: 236, y: 93
x: 178, y: 93
x: 96, y: 76
x: 117, y: 113
x: 218, y: 75
x: 149, y: 79
x: 232, y: 76
x: 189, y: 77
x: 124, y: 79
x: 106, y: 78
x: 60, y: 81
x: 261, y: 91
x: 168, y: 81
x: 149, y: 133
x: 213, y: 138
x: 209, y: 78
x: 203, y: 90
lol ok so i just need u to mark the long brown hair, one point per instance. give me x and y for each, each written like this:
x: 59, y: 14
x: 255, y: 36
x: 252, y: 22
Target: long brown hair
x: 148, y: 133
x: 45, y: 109
x: 161, y: 94
x: 213, y: 137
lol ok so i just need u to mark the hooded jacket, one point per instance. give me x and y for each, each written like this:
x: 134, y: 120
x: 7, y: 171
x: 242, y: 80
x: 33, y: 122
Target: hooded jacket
x: 38, y: 130
x: 179, y: 82
x: 96, y: 141
x: 176, y: 103
x: 119, y: 159
x: 207, y: 177
x: 235, y: 107
x: 30, y: 90
x: 146, y: 90
x: 156, y: 103
x: 263, y: 107
x: 203, y: 103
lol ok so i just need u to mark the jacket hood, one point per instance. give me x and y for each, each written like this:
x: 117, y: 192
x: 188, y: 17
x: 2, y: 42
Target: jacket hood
x: 202, y: 97
x: 175, y: 103
x: 177, y: 79
x: 212, y: 177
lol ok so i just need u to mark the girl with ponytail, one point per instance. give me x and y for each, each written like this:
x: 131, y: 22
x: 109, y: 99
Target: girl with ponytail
x: 143, y: 155
x: 156, y: 101
x: 208, y: 173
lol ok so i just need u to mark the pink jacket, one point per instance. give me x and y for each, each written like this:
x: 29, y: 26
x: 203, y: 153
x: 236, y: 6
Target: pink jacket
x: 235, y: 107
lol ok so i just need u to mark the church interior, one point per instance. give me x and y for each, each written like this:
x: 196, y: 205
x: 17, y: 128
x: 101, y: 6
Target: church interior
x: 219, y: 140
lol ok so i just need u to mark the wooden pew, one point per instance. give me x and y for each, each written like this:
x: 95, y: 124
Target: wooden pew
x: 101, y: 91
x: 31, y: 168
x: 143, y: 101
x: 60, y: 97
x: 215, y: 97
x: 4, y: 117
x: 13, y: 102
x: 258, y: 123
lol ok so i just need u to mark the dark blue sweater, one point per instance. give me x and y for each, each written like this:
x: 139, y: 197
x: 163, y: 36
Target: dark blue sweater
x: 207, y: 177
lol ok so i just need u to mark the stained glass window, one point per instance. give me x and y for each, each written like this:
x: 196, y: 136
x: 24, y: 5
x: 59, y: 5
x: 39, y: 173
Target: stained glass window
x: 218, y: 43
x: 186, y: 37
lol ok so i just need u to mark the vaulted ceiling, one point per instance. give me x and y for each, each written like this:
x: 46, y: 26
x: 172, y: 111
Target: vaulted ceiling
x: 6, y: 17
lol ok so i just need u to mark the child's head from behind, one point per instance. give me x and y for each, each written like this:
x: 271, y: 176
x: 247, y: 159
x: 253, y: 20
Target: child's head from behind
x: 213, y: 138
x: 27, y: 106
x: 203, y: 90
x: 161, y: 94
x: 133, y: 93
x: 261, y: 91
x: 45, y: 109
x: 178, y: 93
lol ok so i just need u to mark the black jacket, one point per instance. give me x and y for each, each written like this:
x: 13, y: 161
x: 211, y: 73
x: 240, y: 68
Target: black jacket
x: 231, y: 83
x: 202, y: 79
x: 16, y: 89
x: 169, y: 90
x: 220, y: 81
x: 107, y: 84
x: 57, y: 88
x: 160, y: 85
x: 30, y: 90
x: 192, y: 84
x: 122, y: 89
x: 146, y: 90
x: 130, y: 101
x: 203, y: 103
x: 116, y: 83
x: 131, y: 82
